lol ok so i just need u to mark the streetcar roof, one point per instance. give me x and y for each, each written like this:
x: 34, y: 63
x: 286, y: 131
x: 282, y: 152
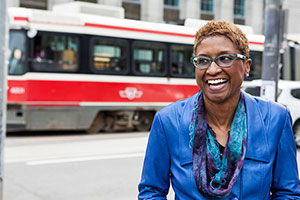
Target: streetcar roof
x: 81, y: 23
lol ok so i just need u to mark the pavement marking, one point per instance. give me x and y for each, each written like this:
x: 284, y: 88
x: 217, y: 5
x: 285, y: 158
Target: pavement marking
x: 82, y: 159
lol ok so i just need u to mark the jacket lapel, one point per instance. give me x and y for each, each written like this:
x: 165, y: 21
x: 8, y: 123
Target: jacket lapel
x: 257, y: 143
x: 184, y: 137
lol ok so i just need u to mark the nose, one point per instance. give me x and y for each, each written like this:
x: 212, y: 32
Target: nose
x: 213, y: 69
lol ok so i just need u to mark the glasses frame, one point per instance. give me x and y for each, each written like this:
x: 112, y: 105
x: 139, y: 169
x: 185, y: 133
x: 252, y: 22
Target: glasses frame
x: 235, y: 55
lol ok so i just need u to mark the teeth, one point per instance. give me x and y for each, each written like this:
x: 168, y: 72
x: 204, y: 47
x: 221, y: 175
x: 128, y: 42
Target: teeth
x: 216, y: 81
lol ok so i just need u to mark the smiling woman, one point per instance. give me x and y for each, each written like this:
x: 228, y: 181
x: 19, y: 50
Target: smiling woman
x: 222, y: 142
x: 231, y: 71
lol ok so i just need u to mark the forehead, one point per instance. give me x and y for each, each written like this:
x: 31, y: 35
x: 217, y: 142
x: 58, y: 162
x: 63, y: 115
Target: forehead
x: 216, y: 45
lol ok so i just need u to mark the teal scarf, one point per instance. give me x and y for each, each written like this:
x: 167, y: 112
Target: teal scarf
x: 215, y: 176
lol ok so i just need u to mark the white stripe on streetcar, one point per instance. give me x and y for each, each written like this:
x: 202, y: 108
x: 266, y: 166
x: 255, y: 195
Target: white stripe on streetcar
x: 159, y: 104
x: 82, y: 159
x: 104, y: 78
x: 78, y: 103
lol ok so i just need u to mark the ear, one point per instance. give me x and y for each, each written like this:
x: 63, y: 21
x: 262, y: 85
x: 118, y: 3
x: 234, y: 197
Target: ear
x: 247, y: 65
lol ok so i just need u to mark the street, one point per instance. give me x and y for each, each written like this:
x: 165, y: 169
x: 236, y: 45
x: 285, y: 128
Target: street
x: 76, y: 166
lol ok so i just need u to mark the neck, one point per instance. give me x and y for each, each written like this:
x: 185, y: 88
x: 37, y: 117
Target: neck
x: 220, y: 115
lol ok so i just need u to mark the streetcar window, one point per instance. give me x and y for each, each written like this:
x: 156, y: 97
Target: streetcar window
x: 255, y: 91
x: 55, y: 53
x: 17, y: 43
x: 109, y: 55
x: 180, y: 61
x: 149, y: 58
x: 256, y: 65
x: 296, y: 93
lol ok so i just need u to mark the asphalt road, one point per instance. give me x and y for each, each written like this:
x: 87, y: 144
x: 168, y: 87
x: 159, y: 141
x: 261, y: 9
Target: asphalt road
x: 68, y: 166
x: 76, y: 167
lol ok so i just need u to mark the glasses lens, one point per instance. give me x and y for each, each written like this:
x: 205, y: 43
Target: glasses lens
x: 202, y: 61
x: 225, y: 60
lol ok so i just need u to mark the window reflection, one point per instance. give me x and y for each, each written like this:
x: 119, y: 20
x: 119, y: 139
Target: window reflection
x: 207, y: 6
x: 17, y: 43
x: 55, y: 53
x: 149, y: 58
x: 109, y: 56
x: 256, y: 65
x: 180, y: 61
x: 239, y: 8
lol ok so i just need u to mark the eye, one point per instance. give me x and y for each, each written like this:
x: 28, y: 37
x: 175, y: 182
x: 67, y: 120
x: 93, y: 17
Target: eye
x: 202, y: 61
x: 225, y: 58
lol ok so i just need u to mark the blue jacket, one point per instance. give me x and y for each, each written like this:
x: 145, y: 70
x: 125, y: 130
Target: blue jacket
x: 270, y: 166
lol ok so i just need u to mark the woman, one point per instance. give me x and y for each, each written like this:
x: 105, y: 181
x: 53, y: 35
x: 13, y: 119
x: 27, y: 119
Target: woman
x: 221, y: 143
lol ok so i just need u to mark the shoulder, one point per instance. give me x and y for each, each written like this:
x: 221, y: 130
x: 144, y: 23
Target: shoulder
x: 178, y: 106
x: 176, y: 114
x: 271, y: 112
x: 264, y: 104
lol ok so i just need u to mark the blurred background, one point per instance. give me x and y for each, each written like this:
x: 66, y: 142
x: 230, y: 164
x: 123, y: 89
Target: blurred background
x: 85, y: 79
x: 244, y: 12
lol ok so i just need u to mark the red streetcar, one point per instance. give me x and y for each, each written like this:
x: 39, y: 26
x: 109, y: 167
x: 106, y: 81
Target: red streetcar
x: 90, y: 72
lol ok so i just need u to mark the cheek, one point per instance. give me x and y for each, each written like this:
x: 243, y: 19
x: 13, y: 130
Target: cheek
x: 239, y: 76
x: 199, y: 77
x: 237, y: 71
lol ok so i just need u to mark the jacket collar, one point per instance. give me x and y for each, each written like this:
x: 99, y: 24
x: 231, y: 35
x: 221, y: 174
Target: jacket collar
x: 257, y: 143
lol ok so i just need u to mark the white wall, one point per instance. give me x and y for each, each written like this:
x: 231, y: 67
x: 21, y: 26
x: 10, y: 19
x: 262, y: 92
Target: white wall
x: 189, y: 9
x: 254, y: 15
x: 223, y: 10
x: 152, y: 10
x: 13, y: 3
x: 293, y: 7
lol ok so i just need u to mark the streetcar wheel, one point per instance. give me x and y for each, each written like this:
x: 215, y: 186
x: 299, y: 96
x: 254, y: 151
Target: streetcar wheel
x: 97, y: 124
x: 144, y: 121
x: 297, y: 133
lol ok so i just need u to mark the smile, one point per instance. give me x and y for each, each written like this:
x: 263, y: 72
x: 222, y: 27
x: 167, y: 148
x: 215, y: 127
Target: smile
x: 216, y: 81
x: 216, y: 84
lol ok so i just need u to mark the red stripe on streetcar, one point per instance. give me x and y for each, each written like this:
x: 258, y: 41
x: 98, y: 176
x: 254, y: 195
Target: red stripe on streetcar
x: 137, y: 30
x: 256, y: 43
x: 71, y: 93
x: 21, y: 19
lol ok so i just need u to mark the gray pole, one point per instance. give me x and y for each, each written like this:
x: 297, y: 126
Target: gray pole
x: 271, y: 55
x: 3, y: 71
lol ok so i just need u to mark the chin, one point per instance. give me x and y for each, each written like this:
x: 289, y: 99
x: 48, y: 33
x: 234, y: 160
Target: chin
x: 220, y: 98
x: 216, y: 100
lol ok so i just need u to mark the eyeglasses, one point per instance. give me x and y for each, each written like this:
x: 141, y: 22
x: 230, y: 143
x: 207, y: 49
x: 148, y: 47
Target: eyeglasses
x: 223, y: 61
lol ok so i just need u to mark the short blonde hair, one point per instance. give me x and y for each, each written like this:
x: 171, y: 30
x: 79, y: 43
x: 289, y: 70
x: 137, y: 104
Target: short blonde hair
x: 223, y: 28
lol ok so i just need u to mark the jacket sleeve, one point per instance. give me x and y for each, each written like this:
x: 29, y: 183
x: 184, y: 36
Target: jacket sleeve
x: 286, y: 183
x: 155, y: 180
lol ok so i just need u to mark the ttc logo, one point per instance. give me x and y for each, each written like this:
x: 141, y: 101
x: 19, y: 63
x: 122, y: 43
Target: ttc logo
x: 130, y: 93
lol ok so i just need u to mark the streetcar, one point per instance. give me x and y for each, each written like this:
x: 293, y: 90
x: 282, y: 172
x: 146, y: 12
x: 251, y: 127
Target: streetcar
x: 79, y: 71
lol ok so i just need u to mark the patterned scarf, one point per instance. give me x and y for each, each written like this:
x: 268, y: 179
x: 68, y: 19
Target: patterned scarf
x: 215, y: 176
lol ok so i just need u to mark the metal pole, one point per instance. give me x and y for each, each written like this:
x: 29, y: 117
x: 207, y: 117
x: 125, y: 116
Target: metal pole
x: 3, y: 71
x: 271, y: 55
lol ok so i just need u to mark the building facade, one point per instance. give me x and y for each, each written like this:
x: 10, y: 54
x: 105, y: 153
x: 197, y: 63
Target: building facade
x: 244, y: 12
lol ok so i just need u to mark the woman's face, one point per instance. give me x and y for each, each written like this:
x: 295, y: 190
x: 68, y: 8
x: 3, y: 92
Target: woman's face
x: 220, y: 85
